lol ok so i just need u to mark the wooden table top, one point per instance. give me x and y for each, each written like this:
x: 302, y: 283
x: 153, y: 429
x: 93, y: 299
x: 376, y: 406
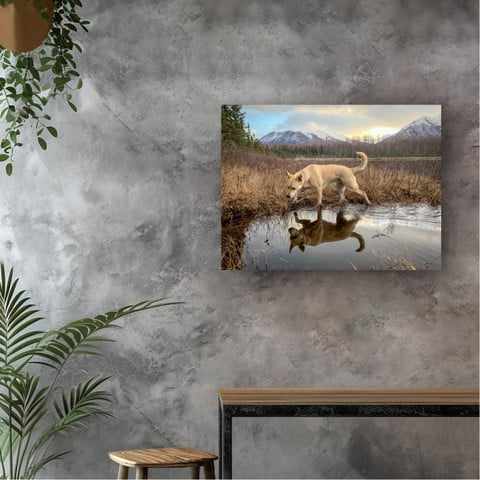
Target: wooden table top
x: 346, y: 396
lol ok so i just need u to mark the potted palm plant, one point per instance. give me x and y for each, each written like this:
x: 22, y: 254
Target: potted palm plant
x: 33, y: 408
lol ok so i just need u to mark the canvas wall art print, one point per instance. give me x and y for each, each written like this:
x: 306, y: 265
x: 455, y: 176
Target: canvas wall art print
x: 331, y: 187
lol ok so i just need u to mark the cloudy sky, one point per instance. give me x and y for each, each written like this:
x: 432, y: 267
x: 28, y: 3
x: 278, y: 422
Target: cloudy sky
x: 349, y: 120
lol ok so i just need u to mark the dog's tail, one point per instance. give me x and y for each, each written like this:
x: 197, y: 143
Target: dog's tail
x: 361, y: 241
x: 363, y: 163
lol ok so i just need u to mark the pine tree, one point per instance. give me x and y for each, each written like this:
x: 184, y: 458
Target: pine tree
x: 233, y: 125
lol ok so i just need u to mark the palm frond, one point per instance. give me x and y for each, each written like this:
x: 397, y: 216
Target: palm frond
x: 80, y: 336
x: 17, y: 340
x: 7, y: 372
x: 23, y: 404
x: 83, y: 401
x: 5, y: 442
x: 32, y: 470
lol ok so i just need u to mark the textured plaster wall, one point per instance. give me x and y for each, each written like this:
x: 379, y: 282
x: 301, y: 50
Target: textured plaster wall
x: 124, y: 206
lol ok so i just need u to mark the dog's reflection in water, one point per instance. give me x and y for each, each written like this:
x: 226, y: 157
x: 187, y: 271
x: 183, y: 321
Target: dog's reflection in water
x: 315, y: 232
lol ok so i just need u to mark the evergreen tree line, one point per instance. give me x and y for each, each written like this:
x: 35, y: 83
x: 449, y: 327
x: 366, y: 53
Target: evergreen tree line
x: 236, y: 132
x: 404, y: 147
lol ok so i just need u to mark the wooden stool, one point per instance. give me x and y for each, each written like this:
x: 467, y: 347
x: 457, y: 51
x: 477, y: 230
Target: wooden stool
x: 173, y: 457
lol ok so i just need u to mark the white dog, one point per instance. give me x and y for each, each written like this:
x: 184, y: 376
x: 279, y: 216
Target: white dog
x: 321, y: 176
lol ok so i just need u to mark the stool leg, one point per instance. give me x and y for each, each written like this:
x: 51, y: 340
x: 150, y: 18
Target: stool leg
x: 122, y: 472
x: 195, y: 471
x: 142, y: 473
x: 209, y: 468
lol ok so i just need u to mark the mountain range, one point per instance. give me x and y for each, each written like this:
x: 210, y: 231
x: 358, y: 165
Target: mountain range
x: 423, y: 127
x: 290, y: 137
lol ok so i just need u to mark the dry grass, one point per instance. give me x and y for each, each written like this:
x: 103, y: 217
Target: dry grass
x: 249, y: 191
x: 395, y: 260
x: 254, y: 185
x: 233, y: 239
x: 232, y: 252
x: 398, y: 260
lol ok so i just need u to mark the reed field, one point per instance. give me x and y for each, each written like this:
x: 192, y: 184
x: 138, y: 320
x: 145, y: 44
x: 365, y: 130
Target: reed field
x: 254, y: 184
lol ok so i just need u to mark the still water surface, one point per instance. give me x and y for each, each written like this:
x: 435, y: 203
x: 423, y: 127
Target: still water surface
x: 378, y: 237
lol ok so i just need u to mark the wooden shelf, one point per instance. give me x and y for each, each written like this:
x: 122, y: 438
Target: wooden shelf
x: 348, y: 396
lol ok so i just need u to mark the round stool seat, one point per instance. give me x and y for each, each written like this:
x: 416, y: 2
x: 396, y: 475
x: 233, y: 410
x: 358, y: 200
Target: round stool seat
x: 173, y: 457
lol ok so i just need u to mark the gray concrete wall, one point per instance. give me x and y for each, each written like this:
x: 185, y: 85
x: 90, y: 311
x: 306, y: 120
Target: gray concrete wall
x: 124, y: 206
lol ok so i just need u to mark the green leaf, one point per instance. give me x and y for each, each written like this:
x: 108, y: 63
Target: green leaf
x: 35, y: 73
x: 60, y: 81
x: 57, y: 68
x: 10, y: 117
x: 4, y: 157
x: 21, y: 63
x: 18, y: 78
x: 72, y: 106
x: 53, y: 131
x: 42, y: 143
x: 30, y: 63
x: 9, y: 168
x: 45, y: 60
x: 27, y: 90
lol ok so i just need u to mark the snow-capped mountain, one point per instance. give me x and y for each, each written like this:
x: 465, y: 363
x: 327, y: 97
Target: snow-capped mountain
x: 290, y: 137
x: 421, y: 128
x: 324, y: 136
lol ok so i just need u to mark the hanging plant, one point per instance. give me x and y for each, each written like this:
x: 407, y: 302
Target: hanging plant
x: 29, y: 80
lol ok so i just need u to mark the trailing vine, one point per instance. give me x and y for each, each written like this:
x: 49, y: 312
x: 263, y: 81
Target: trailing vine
x: 28, y: 81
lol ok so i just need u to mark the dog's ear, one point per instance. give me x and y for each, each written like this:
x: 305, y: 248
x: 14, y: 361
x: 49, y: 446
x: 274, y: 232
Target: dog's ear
x: 302, y: 247
x: 290, y: 175
x: 300, y: 177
